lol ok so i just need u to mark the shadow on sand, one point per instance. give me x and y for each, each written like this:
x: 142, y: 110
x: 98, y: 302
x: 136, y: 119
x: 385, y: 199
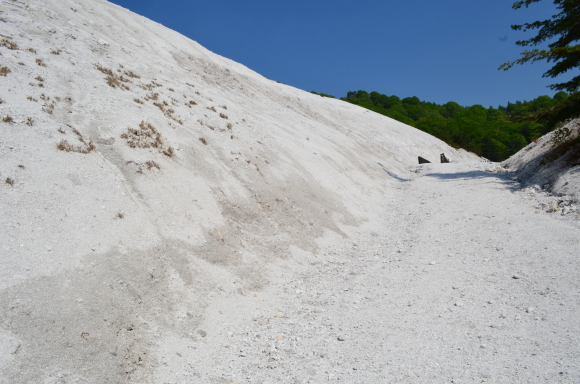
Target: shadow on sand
x: 504, y: 178
x: 393, y: 175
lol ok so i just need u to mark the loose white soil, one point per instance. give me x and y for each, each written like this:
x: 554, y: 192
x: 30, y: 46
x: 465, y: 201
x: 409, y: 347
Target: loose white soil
x: 460, y: 280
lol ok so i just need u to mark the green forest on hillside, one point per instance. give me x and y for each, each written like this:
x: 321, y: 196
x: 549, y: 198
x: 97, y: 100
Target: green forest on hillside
x: 494, y: 133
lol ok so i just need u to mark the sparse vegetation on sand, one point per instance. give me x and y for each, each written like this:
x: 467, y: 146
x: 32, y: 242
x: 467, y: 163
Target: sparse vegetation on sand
x: 147, y: 136
x: 114, y: 80
x: 8, y: 44
x: 85, y: 147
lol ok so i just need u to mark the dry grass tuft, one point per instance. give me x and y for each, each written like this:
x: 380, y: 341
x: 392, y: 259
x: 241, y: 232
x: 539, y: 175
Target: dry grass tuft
x: 62, y: 130
x: 112, y: 79
x: 132, y: 74
x: 21, y: 63
x: 4, y: 71
x: 56, y: 51
x: 147, y: 136
x: 39, y: 78
x: 151, y: 164
x: 115, y: 83
x: 120, y: 215
x: 10, y: 181
x: 40, y: 62
x: 31, y: 50
x: 171, y: 89
x: 212, y: 109
x: 161, y: 106
x: 31, y: 98
x: 223, y: 106
x: 104, y: 70
x: 204, y: 141
x: 29, y: 121
x: 191, y: 85
x: 230, y: 126
x: 85, y: 147
x: 223, y: 116
x: 7, y: 119
x: 49, y: 108
x: 64, y: 145
x: 152, y: 96
x: 148, y: 164
x: 8, y: 44
x: 138, y: 101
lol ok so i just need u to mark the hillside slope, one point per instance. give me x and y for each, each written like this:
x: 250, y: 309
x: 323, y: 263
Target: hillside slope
x: 143, y: 175
x: 552, y: 164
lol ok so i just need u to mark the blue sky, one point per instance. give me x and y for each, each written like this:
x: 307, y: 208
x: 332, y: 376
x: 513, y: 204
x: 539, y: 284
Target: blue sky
x: 439, y: 51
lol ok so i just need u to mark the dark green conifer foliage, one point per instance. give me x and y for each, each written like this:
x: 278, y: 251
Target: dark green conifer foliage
x: 564, y: 51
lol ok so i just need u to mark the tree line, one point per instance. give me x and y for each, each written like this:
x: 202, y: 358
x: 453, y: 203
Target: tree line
x: 494, y: 133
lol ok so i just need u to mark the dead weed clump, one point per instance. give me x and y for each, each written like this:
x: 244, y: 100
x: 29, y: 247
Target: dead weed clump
x: 40, y: 62
x: 147, y: 136
x: 85, y: 147
x: 149, y: 87
x: 132, y: 74
x: 114, y: 80
x: 4, y: 71
x: 7, y: 119
x: 8, y: 44
x: 49, y: 108
x: 10, y: 181
x: 141, y: 166
x: 152, y: 96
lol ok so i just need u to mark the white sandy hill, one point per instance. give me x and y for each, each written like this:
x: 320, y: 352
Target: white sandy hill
x: 552, y: 164
x: 142, y: 174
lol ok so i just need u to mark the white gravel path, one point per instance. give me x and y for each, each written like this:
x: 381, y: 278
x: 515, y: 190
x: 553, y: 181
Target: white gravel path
x: 463, y: 281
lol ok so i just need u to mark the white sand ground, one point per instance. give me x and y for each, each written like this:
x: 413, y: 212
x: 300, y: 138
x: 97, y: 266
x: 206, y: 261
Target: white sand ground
x: 257, y: 233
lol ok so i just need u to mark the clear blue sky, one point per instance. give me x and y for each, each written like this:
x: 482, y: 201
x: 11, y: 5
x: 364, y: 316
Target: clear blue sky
x: 439, y: 51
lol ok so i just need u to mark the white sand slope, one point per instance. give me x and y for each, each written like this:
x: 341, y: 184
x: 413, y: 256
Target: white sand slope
x: 552, y: 164
x: 158, y: 202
